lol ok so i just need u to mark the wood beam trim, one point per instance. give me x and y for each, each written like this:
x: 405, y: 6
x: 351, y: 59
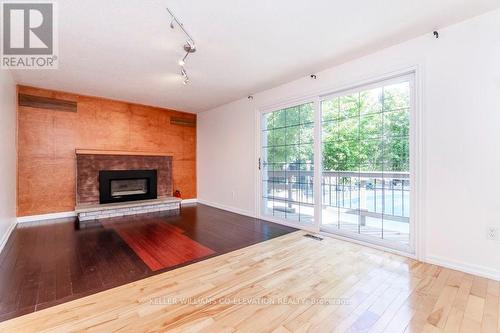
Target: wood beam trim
x: 183, y: 122
x: 40, y: 102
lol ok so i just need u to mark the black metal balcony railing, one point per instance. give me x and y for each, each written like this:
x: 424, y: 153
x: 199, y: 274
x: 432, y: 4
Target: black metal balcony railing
x: 369, y: 194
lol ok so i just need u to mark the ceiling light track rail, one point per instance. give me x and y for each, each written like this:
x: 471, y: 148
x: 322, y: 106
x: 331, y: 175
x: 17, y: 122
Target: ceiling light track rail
x: 189, y: 47
x: 179, y: 23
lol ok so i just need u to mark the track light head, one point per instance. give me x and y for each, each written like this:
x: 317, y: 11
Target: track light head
x: 172, y: 24
x: 189, y: 47
x: 185, y: 77
x: 182, y: 61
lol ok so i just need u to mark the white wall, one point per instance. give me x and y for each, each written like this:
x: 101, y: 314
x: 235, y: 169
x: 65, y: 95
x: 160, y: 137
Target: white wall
x: 460, y: 74
x: 7, y: 155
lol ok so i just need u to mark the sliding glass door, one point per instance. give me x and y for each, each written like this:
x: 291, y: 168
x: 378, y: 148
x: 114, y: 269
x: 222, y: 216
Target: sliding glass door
x: 287, y: 164
x: 363, y: 181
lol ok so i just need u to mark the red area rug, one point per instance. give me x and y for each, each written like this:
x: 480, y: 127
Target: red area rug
x: 159, y: 244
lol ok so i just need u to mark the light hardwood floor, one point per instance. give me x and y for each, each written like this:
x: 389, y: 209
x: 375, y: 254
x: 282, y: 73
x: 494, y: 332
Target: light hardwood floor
x: 383, y: 293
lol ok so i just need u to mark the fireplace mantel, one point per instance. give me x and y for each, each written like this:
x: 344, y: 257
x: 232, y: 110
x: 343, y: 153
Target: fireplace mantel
x: 118, y: 152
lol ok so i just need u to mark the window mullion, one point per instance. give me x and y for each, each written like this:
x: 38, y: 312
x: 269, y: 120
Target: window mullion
x: 318, y: 168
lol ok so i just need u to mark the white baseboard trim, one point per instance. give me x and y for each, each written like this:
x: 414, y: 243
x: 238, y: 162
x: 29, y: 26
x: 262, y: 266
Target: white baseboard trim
x: 6, y: 237
x: 464, y: 267
x: 33, y: 218
x: 188, y: 201
x: 228, y: 208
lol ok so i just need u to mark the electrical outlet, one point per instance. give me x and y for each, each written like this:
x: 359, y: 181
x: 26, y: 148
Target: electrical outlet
x: 492, y: 233
x: 233, y: 195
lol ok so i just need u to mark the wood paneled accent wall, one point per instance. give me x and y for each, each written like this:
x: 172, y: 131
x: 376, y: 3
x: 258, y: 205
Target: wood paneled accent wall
x: 47, y: 140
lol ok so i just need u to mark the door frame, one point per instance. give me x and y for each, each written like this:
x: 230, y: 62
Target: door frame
x: 408, y: 77
x: 417, y: 176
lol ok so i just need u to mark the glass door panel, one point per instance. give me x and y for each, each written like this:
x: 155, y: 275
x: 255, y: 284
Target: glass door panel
x: 287, y: 164
x: 365, y: 183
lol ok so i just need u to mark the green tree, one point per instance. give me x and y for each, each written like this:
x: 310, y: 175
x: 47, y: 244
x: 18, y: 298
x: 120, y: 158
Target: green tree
x: 289, y: 137
x: 366, y: 131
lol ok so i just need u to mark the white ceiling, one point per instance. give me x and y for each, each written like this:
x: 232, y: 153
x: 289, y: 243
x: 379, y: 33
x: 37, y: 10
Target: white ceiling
x: 124, y: 49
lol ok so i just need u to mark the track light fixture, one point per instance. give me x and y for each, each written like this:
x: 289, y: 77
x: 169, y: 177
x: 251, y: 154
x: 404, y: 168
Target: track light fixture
x: 184, y: 76
x: 189, y: 47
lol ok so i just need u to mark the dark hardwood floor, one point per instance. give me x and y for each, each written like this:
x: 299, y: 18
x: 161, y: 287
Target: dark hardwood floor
x: 50, y: 262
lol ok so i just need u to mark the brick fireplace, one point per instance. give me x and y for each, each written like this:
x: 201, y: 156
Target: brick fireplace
x: 111, y: 183
x: 90, y: 163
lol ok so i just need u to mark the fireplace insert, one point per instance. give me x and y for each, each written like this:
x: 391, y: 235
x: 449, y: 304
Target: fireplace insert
x: 127, y: 185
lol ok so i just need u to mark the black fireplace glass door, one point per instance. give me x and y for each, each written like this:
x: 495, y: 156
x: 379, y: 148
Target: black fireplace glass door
x: 121, y: 187
x: 127, y: 185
